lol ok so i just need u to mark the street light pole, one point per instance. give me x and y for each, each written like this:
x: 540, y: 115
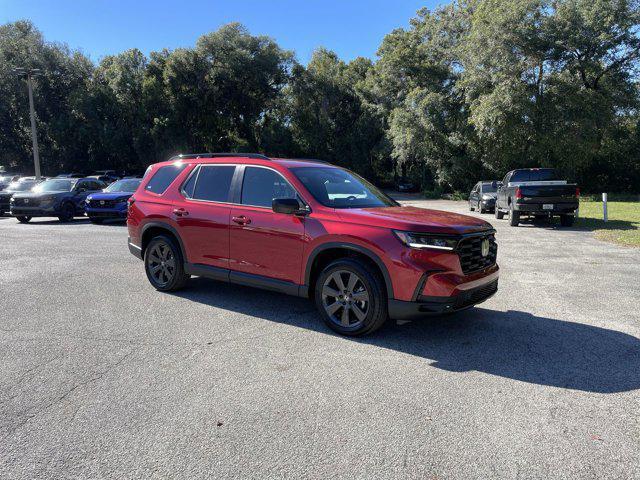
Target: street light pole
x: 29, y: 73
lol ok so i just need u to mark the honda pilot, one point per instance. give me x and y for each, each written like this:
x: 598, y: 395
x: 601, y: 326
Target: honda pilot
x: 311, y: 229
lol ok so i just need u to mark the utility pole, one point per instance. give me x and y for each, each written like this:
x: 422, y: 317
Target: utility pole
x: 30, y: 73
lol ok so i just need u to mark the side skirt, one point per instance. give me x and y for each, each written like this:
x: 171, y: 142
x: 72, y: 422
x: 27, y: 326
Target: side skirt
x: 247, y: 279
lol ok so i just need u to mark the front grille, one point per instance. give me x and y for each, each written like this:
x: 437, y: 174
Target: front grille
x: 470, y: 253
x: 476, y: 295
x: 26, y: 202
x: 102, y: 203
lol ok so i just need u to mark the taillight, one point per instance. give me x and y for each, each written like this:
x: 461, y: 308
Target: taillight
x: 518, y: 193
x: 577, y: 192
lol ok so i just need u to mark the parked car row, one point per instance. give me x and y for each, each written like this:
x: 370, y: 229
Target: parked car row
x: 67, y: 196
x: 527, y: 192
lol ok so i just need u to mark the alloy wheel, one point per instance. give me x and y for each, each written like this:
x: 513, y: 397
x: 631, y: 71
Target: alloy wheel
x: 345, y: 299
x: 162, y: 264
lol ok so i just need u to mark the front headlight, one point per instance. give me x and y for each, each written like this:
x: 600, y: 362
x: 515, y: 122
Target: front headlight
x: 12, y: 200
x: 425, y: 240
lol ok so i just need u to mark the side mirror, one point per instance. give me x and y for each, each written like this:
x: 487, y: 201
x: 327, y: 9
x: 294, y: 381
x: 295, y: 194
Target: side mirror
x: 288, y: 206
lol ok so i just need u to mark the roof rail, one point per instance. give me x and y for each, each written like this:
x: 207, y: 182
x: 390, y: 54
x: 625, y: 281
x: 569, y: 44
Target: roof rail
x: 214, y: 155
x: 311, y: 160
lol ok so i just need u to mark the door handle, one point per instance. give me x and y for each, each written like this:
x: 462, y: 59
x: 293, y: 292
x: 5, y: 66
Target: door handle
x: 241, y: 220
x: 180, y: 212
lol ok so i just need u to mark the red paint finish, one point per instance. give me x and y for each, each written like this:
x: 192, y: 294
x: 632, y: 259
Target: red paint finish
x: 256, y: 240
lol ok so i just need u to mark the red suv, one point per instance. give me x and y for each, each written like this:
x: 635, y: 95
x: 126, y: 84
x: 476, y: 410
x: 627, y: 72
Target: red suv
x: 310, y: 229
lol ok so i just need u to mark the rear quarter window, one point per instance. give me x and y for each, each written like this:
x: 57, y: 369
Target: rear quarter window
x: 161, y: 180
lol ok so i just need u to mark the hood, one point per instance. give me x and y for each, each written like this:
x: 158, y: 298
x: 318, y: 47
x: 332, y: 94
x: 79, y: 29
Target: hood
x: 490, y: 194
x: 38, y: 194
x: 415, y: 219
x: 109, y: 195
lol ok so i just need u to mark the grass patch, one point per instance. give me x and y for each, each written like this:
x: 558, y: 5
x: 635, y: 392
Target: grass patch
x: 623, y: 226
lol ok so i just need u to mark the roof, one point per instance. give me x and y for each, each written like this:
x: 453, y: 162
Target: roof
x: 288, y: 162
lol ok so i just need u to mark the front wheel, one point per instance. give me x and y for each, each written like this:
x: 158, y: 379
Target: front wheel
x: 351, y: 297
x: 163, y: 264
x: 567, y: 220
x: 23, y: 219
x: 67, y: 212
x: 498, y: 214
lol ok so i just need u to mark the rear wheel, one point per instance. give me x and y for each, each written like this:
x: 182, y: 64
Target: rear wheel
x: 514, y: 216
x: 567, y: 220
x: 351, y: 297
x: 164, y: 265
x: 67, y: 212
x: 23, y: 219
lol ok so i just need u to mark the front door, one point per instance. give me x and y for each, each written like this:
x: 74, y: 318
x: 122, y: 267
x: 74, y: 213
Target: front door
x: 263, y: 242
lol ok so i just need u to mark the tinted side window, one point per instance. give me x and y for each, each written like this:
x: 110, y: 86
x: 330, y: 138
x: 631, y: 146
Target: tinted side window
x: 261, y: 185
x: 163, y: 178
x: 189, y: 187
x: 214, y: 183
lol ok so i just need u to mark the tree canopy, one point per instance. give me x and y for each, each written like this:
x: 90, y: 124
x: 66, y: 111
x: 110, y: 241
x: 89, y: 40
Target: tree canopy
x: 466, y: 92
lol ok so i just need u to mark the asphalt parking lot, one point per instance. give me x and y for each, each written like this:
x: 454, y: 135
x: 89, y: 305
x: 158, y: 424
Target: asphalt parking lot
x: 103, y: 377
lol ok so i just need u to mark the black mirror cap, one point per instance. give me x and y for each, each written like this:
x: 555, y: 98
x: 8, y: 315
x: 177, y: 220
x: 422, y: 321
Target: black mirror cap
x: 288, y: 206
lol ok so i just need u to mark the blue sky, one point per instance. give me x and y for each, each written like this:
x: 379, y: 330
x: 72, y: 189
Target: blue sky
x: 101, y: 27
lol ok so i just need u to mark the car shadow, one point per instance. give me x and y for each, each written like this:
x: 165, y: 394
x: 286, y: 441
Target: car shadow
x: 511, y: 344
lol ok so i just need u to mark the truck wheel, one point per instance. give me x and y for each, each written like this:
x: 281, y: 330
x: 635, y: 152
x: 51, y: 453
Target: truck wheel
x: 23, y: 219
x: 351, y: 297
x: 514, y: 217
x: 498, y: 214
x: 567, y: 220
x: 66, y: 213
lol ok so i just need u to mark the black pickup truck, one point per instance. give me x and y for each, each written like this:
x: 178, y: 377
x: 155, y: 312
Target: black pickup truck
x: 537, y: 192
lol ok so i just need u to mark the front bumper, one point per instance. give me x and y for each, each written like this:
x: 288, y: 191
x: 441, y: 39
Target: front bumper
x: 488, y: 204
x: 34, y: 211
x: 430, y: 306
x: 105, y: 212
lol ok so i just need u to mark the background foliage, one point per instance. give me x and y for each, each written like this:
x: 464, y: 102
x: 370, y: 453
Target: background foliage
x: 468, y: 91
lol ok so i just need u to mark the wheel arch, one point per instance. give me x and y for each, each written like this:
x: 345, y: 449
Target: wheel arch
x: 325, y: 253
x: 151, y: 229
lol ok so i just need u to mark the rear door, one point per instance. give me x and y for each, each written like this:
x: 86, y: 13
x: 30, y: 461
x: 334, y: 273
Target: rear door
x: 203, y: 215
x: 263, y: 242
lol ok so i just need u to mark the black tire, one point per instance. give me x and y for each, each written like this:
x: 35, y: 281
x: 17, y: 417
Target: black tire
x: 567, y: 220
x: 23, y: 219
x: 514, y: 216
x: 96, y: 221
x: 67, y: 212
x: 164, y: 265
x: 498, y: 214
x: 365, y: 301
x: 1, y: 213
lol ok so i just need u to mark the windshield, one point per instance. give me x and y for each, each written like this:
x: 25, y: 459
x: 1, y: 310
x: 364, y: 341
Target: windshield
x: 488, y: 188
x: 20, y: 186
x: 56, y: 185
x: 338, y: 188
x: 128, y: 186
